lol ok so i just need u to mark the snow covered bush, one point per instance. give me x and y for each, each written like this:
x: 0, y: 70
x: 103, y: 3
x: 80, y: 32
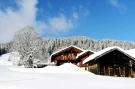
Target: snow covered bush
x: 15, y: 58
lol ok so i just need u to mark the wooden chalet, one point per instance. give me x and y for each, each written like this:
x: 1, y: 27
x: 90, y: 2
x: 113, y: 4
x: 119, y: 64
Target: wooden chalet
x: 67, y: 54
x: 82, y: 56
x: 112, y: 61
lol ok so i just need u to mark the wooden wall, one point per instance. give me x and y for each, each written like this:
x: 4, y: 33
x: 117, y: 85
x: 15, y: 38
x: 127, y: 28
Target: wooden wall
x: 116, y: 70
x: 67, y: 55
x: 82, y: 58
x: 114, y: 63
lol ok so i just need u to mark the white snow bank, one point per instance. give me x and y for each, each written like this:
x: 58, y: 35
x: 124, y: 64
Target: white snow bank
x: 12, y: 58
x: 18, y: 80
x: 4, y: 59
x: 65, y: 68
x: 9, y: 87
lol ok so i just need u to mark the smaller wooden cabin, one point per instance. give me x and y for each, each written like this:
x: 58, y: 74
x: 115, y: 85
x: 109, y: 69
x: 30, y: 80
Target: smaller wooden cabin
x: 82, y: 56
x: 67, y: 54
x: 112, y: 61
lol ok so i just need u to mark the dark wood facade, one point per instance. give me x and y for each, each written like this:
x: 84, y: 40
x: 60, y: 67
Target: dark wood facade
x: 112, y: 63
x: 82, y: 57
x: 66, y: 55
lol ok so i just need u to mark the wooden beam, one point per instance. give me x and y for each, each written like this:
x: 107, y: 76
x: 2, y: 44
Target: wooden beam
x: 130, y: 68
x: 109, y: 71
x: 119, y: 70
x: 104, y: 70
x: 123, y: 71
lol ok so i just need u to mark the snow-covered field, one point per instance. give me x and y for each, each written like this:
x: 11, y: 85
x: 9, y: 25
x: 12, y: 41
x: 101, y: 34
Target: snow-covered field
x: 67, y: 76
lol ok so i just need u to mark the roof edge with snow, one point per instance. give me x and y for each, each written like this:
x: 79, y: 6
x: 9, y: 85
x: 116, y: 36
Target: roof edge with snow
x: 80, y: 54
x: 103, y: 52
x: 67, y: 48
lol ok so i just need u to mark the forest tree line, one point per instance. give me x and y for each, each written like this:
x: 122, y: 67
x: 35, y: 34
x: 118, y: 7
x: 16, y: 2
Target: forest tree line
x: 28, y: 43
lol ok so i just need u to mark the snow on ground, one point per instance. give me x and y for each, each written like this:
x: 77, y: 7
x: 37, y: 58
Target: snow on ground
x: 65, y: 68
x: 4, y: 59
x: 60, y: 79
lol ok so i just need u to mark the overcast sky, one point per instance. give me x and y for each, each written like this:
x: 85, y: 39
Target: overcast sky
x: 98, y: 19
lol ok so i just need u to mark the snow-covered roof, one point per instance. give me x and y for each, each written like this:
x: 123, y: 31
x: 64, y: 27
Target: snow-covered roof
x: 85, y: 51
x: 105, y: 51
x: 67, y: 48
x: 131, y: 52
